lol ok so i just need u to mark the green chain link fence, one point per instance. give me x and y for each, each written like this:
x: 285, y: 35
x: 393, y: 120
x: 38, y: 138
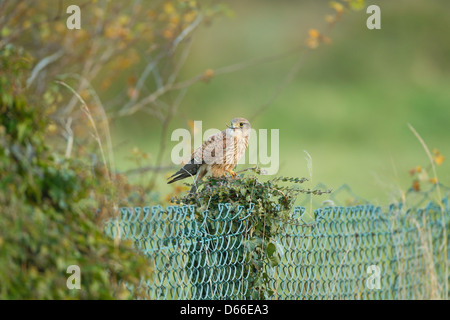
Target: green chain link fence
x: 343, y: 252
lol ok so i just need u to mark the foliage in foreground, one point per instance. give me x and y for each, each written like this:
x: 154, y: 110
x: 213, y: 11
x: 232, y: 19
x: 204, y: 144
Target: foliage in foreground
x: 271, y: 203
x: 48, y: 216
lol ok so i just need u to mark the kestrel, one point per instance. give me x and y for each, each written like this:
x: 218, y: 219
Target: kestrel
x: 218, y: 155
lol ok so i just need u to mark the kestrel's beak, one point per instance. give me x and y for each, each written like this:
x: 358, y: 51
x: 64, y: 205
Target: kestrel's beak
x: 231, y: 127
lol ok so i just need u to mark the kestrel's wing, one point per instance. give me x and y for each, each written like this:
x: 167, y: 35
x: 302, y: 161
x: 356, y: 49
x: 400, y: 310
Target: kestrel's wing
x: 189, y: 170
x: 212, y: 150
x: 202, y: 155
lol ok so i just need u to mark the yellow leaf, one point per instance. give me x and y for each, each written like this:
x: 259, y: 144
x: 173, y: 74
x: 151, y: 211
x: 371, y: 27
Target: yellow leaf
x: 208, y: 74
x: 168, y: 8
x: 194, y: 129
x: 124, y: 19
x: 189, y: 16
x: 168, y: 34
x: 151, y: 14
x: 313, y: 33
x: 356, y: 4
x: 337, y: 6
x: 52, y: 128
x: 312, y: 43
x: 60, y: 27
x: 175, y: 20
x: 110, y: 32
x: 135, y: 151
x: 438, y: 157
x: 132, y: 93
x: 27, y: 24
x: 330, y: 18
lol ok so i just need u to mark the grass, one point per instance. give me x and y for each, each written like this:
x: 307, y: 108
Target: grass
x: 349, y: 106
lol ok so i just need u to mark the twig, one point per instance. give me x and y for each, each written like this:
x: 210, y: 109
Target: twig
x: 290, y: 76
x: 140, y: 83
x: 164, y: 130
x: 235, y: 67
x: 69, y: 136
x: 42, y: 64
x: 185, y: 32
x: 151, y: 98
x: 149, y: 168
x: 247, y: 169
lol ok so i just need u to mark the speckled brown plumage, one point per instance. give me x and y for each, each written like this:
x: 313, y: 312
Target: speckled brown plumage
x: 218, y: 155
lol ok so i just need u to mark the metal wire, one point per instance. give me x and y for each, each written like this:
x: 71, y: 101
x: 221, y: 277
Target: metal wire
x: 356, y: 252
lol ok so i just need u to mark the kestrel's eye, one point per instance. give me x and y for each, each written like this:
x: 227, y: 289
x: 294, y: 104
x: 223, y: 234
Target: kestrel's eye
x: 241, y: 124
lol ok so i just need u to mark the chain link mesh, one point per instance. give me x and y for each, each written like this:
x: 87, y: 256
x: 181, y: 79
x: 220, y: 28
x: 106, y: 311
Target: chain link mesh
x: 354, y: 252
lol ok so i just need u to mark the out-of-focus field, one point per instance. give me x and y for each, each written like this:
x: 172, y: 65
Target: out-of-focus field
x: 348, y: 107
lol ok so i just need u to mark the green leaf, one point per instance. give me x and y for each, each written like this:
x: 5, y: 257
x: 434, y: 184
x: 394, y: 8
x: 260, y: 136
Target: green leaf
x: 270, y: 249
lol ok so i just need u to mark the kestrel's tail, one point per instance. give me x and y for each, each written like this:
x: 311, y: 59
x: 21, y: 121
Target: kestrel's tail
x: 189, y: 170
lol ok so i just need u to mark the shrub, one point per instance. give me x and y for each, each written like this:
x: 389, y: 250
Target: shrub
x: 48, y: 210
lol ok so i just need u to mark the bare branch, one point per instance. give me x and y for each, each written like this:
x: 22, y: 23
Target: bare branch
x: 69, y: 136
x: 42, y: 64
x: 289, y: 77
x: 185, y: 32
x: 150, y: 168
x: 164, y: 130
x: 237, y: 67
x: 187, y: 83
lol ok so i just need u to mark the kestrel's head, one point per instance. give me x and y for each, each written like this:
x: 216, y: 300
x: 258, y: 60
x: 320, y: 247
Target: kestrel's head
x: 241, y: 124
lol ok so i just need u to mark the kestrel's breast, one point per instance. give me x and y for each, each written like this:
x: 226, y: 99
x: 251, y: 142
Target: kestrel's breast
x: 241, y: 146
x: 233, y: 149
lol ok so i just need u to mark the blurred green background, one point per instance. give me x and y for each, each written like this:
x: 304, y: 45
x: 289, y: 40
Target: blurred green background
x: 349, y: 105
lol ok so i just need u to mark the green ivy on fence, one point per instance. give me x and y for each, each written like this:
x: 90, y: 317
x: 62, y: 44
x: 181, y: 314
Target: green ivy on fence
x: 354, y: 252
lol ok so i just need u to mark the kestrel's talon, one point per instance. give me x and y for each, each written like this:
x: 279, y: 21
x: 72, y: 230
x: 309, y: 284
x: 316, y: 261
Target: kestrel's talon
x: 232, y: 174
